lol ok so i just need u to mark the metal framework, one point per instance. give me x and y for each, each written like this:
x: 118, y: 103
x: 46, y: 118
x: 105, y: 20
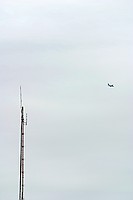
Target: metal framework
x: 22, y: 155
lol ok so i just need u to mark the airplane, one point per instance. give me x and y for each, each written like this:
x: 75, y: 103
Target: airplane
x: 110, y: 85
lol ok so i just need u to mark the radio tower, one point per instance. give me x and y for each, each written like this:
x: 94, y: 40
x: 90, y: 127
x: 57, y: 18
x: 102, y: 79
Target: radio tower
x: 22, y: 145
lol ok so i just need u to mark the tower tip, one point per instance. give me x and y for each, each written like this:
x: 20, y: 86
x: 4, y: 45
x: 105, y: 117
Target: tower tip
x: 20, y: 97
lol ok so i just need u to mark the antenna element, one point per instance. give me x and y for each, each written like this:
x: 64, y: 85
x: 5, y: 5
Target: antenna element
x: 20, y: 97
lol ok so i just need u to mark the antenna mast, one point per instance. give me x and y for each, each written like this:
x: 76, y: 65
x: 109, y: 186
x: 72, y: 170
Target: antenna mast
x: 22, y: 143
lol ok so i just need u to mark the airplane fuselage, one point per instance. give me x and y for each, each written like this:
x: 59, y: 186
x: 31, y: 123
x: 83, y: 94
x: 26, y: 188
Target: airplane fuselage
x: 110, y: 85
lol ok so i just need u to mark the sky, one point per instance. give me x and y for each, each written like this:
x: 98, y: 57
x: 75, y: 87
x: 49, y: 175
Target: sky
x: 79, y: 138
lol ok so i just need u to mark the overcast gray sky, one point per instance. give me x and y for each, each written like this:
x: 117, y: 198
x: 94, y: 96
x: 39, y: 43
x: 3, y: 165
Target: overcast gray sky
x: 79, y: 135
